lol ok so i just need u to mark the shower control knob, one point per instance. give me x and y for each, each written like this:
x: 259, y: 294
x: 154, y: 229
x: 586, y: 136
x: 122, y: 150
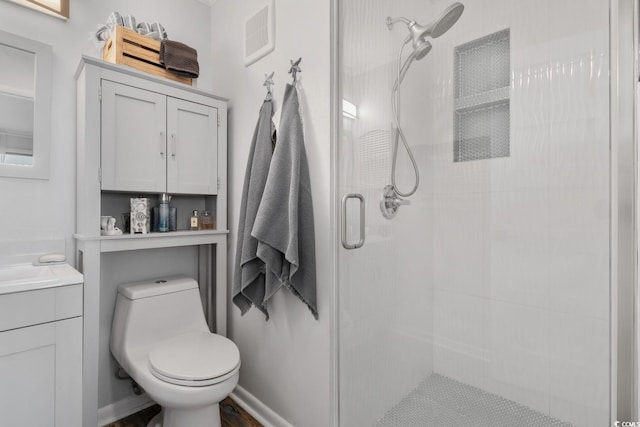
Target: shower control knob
x: 401, y: 202
x: 390, y: 202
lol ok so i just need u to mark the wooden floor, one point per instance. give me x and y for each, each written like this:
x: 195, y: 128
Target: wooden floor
x: 231, y: 415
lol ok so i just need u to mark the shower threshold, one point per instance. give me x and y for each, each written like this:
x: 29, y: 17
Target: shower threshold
x: 442, y: 402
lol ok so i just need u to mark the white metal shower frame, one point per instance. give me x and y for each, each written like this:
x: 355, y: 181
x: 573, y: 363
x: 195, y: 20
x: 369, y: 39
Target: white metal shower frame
x: 624, y: 214
x: 623, y: 46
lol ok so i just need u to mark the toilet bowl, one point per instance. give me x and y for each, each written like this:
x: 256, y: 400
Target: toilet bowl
x: 160, y: 337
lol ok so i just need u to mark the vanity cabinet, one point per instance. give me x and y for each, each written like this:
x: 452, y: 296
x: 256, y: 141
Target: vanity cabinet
x: 41, y: 358
x: 152, y: 142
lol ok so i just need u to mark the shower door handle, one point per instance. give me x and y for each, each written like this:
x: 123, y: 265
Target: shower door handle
x: 345, y: 199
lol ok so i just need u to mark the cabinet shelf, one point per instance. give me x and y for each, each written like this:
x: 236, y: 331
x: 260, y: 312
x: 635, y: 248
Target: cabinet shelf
x: 130, y: 242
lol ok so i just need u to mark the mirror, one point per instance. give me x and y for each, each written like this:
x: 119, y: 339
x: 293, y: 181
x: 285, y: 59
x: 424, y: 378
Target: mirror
x: 25, y: 107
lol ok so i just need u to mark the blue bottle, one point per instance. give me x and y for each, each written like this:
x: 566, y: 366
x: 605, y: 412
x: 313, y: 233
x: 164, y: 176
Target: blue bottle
x: 163, y: 214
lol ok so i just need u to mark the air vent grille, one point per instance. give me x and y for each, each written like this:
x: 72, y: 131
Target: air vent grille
x: 259, y: 34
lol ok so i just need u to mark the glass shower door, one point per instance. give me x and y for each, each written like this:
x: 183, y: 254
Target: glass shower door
x: 384, y: 303
x: 486, y: 300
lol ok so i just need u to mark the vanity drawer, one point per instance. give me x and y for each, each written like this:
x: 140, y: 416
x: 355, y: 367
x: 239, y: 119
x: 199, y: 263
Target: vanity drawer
x: 21, y: 309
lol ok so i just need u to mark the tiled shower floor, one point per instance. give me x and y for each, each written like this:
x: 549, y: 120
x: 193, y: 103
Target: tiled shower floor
x: 443, y: 402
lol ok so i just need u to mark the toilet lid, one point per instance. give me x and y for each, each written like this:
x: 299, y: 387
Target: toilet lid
x: 194, y: 359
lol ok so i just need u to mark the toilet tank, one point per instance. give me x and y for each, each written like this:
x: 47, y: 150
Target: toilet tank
x: 150, y: 311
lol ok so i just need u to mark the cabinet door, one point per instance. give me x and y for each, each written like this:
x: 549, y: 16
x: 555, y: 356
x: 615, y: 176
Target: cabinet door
x: 192, y: 164
x: 133, y: 139
x: 41, y: 371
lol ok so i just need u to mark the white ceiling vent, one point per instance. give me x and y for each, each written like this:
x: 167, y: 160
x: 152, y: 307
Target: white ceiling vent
x: 259, y: 34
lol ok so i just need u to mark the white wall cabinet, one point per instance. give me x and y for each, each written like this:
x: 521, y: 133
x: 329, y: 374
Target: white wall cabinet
x: 192, y: 160
x: 133, y: 142
x: 156, y: 143
x: 142, y: 134
x: 40, y: 363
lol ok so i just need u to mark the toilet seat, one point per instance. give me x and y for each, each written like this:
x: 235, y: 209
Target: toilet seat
x: 194, y: 359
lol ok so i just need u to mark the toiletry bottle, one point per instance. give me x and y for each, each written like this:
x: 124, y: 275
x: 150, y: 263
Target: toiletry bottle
x: 194, y: 221
x: 206, y: 221
x: 163, y: 216
x: 173, y: 219
x: 140, y: 215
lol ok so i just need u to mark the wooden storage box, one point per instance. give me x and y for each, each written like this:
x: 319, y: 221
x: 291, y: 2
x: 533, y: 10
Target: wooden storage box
x: 127, y: 47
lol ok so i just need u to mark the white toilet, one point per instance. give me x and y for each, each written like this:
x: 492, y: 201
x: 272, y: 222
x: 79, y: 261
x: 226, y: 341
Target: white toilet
x: 160, y: 337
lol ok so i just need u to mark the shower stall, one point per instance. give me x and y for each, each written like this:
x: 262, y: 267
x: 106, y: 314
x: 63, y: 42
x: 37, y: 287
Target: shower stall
x: 490, y: 295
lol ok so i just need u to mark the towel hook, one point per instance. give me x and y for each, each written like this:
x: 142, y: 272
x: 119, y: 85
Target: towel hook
x: 295, y: 69
x: 268, y: 82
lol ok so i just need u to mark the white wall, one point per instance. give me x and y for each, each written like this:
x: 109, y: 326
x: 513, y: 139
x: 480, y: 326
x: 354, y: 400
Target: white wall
x: 285, y: 361
x: 34, y: 209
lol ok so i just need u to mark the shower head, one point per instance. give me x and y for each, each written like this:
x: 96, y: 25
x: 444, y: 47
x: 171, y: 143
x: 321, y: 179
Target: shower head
x: 435, y: 29
x: 445, y: 21
x: 420, y: 49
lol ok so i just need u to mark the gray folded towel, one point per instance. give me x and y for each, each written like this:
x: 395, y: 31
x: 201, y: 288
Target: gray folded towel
x: 284, y: 223
x: 155, y: 31
x: 179, y: 58
x: 104, y: 31
x: 249, y: 271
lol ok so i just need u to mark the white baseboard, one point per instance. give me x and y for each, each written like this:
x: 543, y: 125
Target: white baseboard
x: 123, y: 408
x: 258, y: 410
x: 130, y: 405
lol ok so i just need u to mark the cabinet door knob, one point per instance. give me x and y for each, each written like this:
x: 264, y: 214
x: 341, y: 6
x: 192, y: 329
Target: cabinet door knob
x: 161, y: 143
x: 173, y: 149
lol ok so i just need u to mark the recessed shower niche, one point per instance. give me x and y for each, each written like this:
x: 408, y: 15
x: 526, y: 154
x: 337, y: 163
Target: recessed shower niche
x: 481, y: 104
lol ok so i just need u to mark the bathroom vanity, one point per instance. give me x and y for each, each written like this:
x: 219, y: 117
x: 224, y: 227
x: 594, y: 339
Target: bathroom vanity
x: 40, y: 346
x: 140, y: 134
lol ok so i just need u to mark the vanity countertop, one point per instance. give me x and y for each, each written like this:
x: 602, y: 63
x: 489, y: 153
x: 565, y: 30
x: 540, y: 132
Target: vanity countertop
x: 27, y: 277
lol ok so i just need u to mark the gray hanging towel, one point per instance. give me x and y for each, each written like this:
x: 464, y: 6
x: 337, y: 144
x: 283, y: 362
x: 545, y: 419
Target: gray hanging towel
x: 249, y: 270
x: 284, y: 224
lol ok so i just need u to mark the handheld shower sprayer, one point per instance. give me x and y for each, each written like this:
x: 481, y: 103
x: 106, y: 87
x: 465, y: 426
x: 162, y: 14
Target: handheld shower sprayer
x: 418, y: 53
x: 391, y: 200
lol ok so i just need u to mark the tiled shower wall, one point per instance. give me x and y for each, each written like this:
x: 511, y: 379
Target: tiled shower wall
x: 521, y: 244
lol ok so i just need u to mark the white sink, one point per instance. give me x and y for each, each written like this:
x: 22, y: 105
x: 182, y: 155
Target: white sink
x: 27, y: 277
